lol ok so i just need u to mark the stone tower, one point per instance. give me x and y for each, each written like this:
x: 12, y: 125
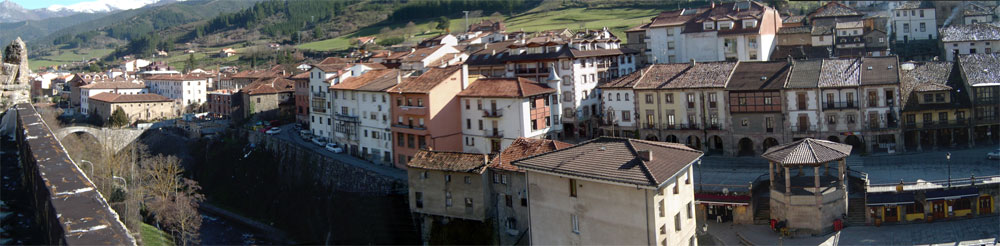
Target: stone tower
x: 14, y: 83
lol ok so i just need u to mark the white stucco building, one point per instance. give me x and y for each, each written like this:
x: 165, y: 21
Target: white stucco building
x: 741, y: 30
x: 186, y: 90
x: 497, y: 111
x: 321, y: 77
x: 969, y: 39
x: 361, y: 114
x: 913, y: 21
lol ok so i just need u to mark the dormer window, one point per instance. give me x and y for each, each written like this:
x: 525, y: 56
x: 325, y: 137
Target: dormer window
x: 725, y: 25
x: 749, y: 23
x: 708, y: 25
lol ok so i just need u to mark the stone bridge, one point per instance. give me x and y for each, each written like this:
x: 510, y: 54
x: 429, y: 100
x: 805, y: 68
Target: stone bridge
x: 68, y: 207
x: 117, y: 139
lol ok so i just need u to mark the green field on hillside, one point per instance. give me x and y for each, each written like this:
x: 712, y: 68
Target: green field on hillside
x: 155, y: 237
x: 618, y: 20
x: 60, y: 57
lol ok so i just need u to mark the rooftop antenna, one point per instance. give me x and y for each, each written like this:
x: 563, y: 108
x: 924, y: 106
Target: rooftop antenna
x: 466, y: 20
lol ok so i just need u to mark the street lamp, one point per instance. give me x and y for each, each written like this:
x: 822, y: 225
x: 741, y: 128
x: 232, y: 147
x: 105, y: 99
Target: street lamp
x: 948, y: 158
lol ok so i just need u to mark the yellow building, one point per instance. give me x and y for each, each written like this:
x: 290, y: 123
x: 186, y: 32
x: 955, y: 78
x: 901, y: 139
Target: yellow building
x: 935, y: 113
x: 138, y: 107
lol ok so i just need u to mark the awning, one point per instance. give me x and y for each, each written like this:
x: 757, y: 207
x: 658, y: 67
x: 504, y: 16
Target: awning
x: 721, y: 199
x: 889, y: 198
x: 948, y: 194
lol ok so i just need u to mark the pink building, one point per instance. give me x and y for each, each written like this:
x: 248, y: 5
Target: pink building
x: 427, y: 112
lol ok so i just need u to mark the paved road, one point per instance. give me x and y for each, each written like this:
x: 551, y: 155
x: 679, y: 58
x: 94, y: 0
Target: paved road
x: 942, y: 232
x: 910, y: 167
x: 289, y: 133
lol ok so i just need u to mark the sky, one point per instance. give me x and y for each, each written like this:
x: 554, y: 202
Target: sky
x: 37, y: 4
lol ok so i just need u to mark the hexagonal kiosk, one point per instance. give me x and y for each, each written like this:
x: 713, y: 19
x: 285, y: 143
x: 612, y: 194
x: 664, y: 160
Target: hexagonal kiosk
x: 808, y: 201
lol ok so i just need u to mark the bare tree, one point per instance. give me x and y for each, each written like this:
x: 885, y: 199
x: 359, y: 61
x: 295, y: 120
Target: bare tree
x: 171, y: 199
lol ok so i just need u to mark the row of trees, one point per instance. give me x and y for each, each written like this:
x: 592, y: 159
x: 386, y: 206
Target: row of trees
x: 294, y: 16
x: 432, y: 9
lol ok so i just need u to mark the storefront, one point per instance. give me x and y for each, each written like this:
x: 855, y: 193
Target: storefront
x: 725, y: 208
x: 947, y: 203
x: 890, y: 207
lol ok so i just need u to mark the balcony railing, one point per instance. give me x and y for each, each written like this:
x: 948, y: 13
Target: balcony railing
x: 495, y: 113
x: 689, y: 127
x: 346, y: 117
x: 804, y: 128
x: 415, y: 127
x: 319, y: 94
x: 493, y: 133
x: 841, y: 105
x: 937, y: 124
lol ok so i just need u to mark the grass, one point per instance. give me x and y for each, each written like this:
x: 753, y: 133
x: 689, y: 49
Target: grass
x: 61, y: 56
x: 617, y: 20
x: 155, y: 237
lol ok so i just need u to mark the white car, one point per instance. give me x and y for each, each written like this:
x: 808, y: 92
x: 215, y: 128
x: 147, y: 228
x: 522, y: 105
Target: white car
x: 319, y: 141
x: 995, y: 155
x: 332, y: 147
x: 273, y: 131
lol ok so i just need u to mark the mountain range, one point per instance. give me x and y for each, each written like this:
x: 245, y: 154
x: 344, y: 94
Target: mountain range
x: 11, y: 12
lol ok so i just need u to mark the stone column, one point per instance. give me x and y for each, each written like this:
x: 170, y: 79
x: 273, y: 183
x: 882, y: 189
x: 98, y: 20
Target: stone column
x: 788, y: 182
x: 919, y: 144
x: 934, y: 143
x: 868, y: 141
x: 819, y: 201
x: 951, y: 142
x: 770, y: 173
x: 970, y: 138
x: 842, y: 168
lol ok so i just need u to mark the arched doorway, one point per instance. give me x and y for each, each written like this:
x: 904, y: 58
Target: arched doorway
x: 746, y: 147
x: 670, y: 139
x: 856, y: 143
x: 694, y: 142
x: 716, y: 143
x: 652, y: 137
x: 769, y: 142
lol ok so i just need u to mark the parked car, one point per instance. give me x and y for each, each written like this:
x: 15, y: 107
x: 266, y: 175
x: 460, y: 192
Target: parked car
x: 273, y: 131
x: 332, y: 147
x: 319, y: 141
x: 995, y: 155
x: 265, y: 129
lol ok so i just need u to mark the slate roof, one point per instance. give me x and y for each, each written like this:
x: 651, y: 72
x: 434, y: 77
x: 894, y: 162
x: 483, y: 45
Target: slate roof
x: 971, y: 32
x: 123, y: 98
x: 335, y: 60
x: 833, y: 9
x: 915, y: 5
x: 602, y: 52
x: 879, y: 70
x: 805, y: 74
x: 850, y: 24
x: 821, y: 30
x: 656, y: 75
x: 270, y: 86
x: 524, y: 147
x: 676, y: 17
x: 703, y: 75
x: 113, y: 85
x: 974, y: 9
x: 616, y: 160
x: 793, y: 19
x: 840, y: 73
x: 770, y: 75
x: 425, y: 82
x: 981, y: 69
x: 332, y: 67
x: 448, y: 161
x: 302, y: 75
x: 175, y: 77
x: 807, y: 151
x: 421, y: 53
x: 729, y: 12
x: 800, y: 52
x: 374, y: 80
x: 491, y: 54
x: 928, y: 76
x: 506, y: 87
x: 795, y: 30
x: 627, y: 81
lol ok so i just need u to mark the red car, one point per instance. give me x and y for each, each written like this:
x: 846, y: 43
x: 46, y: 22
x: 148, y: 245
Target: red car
x: 265, y: 129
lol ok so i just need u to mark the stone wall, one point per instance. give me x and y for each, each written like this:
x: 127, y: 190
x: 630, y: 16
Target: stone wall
x: 326, y: 171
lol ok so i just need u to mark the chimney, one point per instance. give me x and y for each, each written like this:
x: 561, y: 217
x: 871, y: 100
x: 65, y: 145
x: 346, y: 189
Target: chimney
x: 399, y: 76
x: 645, y: 155
x: 693, y: 62
x: 465, y: 76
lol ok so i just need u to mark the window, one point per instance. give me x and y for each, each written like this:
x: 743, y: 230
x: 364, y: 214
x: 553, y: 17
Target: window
x: 708, y: 25
x: 572, y: 187
x: 872, y: 98
x: 690, y: 210
x: 649, y: 98
x: 447, y: 199
x: 923, y: 26
x: 480, y: 124
x: 468, y: 180
x: 662, y: 208
x: 576, y: 223
x: 677, y: 221
x: 712, y: 100
x: 690, y: 100
x: 503, y: 179
x: 399, y: 137
x: 745, y: 123
x: 468, y: 202
x: 831, y: 119
x: 626, y: 116
x: 939, y: 97
x: 668, y: 98
x: 670, y: 45
x: 928, y: 98
x: 663, y: 230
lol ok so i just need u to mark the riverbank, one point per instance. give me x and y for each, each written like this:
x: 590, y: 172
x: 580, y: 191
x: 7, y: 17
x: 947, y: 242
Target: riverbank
x: 271, y: 234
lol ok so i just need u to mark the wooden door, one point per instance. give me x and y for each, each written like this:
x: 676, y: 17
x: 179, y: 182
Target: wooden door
x: 891, y: 214
x: 803, y: 123
x: 985, y: 205
x: 938, y: 209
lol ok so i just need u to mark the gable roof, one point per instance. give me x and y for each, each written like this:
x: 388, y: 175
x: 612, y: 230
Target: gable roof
x: 833, y: 9
x: 840, y: 73
x: 506, y: 87
x: 770, y: 75
x: 131, y: 98
x: 113, y: 85
x: 421, y: 53
x: 676, y: 17
x: 448, y: 161
x: 926, y: 76
x: 656, y: 75
x: 524, y: 147
x: 425, y: 82
x: 807, y: 151
x: 374, y: 80
x: 628, y: 81
x: 970, y: 32
x: 805, y: 74
x: 616, y: 160
x: 703, y: 75
x: 879, y: 70
x: 176, y: 77
x: 270, y: 86
x: 981, y: 69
